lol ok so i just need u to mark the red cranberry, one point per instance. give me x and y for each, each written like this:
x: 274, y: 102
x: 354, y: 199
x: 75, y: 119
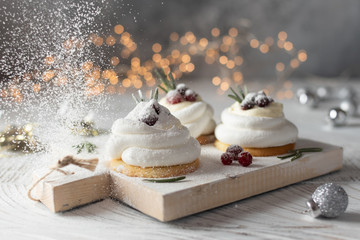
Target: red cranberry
x: 156, y: 107
x: 174, y: 97
x: 226, y: 159
x: 190, y: 95
x: 234, y: 150
x: 262, y: 102
x: 181, y: 88
x: 247, y: 105
x: 245, y: 159
x: 149, y: 120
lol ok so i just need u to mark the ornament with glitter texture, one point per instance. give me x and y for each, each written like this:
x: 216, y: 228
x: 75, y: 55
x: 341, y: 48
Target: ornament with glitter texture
x: 323, y: 93
x: 329, y: 200
x: 336, y: 117
x: 349, y: 106
x: 308, y: 98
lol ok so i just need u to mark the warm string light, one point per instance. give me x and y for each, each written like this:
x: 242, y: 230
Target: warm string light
x: 222, y: 49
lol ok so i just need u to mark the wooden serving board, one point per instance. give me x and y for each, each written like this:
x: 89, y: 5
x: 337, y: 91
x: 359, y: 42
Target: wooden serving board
x: 212, y: 185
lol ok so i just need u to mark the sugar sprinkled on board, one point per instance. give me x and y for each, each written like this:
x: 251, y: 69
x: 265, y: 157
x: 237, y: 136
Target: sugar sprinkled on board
x: 44, y: 47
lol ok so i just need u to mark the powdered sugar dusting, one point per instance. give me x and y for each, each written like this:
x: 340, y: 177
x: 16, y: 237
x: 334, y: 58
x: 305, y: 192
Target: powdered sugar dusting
x: 145, y: 110
x: 44, y: 51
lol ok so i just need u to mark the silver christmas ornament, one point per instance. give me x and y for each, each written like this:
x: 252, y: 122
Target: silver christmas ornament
x: 336, y: 117
x: 346, y: 93
x: 308, y: 98
x: 323, y: 93
x: 301, y: 91
x: 329, y: 200
x: 349, y: 106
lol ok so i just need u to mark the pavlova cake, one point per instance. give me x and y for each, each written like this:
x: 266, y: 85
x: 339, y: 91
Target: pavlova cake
x: 189, y: 108
x: 150, y: 142
x: 257, y: 123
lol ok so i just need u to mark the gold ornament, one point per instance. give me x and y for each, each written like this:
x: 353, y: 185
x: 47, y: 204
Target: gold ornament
x: 19, y: 139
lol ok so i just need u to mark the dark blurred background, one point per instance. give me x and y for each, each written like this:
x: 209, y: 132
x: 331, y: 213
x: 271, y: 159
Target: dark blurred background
x: 327, y: 29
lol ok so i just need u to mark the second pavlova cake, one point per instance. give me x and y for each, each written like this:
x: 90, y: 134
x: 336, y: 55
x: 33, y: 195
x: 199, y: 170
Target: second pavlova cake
x: 150, y: 142
x: 189, y: 108
x: 257, y: 123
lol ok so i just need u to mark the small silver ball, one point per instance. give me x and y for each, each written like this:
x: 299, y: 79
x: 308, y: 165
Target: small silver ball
x: 300, y: 91
x: 323, y: 92
x: 346, y: 93
x: 331, y: 199
x: 349, y: 106
x: 309, y: 99
x: 336, y: 117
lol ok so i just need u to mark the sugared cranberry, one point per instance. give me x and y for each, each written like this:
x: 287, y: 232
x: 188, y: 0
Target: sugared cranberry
x: 226, y: 159
x: 245, y: 159
x: 174, y: 97
x: 234, y: 150
x: 262, y: 102
x: 250, y: 97
x: 261, y: 93
x: 247, y: 105
x: 190, y: 95
x: 149, y: 119
x: 181, y: 88
x: 156, y: 107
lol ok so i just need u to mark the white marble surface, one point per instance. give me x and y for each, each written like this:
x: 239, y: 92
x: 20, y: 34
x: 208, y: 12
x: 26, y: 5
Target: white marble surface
x: 272, y: 215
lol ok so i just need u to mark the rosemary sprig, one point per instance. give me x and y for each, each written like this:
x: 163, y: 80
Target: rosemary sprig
x: 167, y: 80
x: 165, y: 180
x: 88, y: 146
x: 297, y: 153
x: 240, y: 96
x: 141, y: 98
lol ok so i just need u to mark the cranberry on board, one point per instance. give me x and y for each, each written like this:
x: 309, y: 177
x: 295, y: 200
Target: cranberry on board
x: 226, y: 159
x: 234, y: 149
x: 245, y: 159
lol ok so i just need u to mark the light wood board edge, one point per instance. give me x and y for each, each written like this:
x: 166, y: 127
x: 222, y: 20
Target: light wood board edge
x: 63, y: 197
x: 137, y: 196
x: 195, y: 200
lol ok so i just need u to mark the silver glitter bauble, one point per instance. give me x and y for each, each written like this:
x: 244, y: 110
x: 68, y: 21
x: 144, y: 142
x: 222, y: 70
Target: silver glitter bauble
x: 346, y: 93
x: 308, y: 98
x: 323, y: 93
x: 349, y: 106
x: 336, y: 117
x: 329, y: 200
x: 300, y: 91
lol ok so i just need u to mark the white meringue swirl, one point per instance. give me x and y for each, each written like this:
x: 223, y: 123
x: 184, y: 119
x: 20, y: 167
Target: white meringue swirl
x: 255, y: 129
x: 166, y: 143
x: 196, y: 116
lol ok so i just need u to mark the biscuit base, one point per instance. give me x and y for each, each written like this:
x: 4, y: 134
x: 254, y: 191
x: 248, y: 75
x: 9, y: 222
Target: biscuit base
x: 206, y: 139
x: 259, y: 152
x: 118, y: 165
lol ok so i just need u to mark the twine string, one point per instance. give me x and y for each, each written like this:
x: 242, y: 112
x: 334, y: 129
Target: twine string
x: 89, y: 164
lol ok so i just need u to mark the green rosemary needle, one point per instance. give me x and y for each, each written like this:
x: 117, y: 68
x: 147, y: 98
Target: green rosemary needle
x: 297, y: 153
x: 88, y: 146
x: 165, y: 180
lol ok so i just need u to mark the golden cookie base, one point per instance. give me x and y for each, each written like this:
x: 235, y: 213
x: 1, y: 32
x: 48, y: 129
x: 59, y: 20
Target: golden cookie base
x: 153, y: 172
x: 259, y: 152
x: 206, y: 139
